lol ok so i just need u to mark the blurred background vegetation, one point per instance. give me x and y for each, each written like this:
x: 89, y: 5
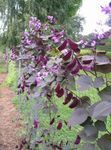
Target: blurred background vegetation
x: 15, y: 15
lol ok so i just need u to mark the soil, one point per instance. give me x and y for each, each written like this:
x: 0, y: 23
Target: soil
x: 8, y: 123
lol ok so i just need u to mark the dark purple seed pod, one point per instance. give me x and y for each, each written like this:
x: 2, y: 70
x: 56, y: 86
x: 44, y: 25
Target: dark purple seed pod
x: 52, y: 121
x: 67, y: 56
x: 63, y: 45
x: 73, y: 45
x: 71, y: 64
x: 60, y: 93
x: 68, y: 98
x: 57, y: 88
x: 59, y: 126
x: 74, y: 103
x: 78, y: 140
x: 75, y: 70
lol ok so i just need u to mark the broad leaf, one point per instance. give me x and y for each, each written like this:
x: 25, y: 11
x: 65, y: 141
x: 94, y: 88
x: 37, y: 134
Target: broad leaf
x: 105, y: 68
x: 89, y: 133
x: 105, y: 94
x: 100, y: 125
x: 102, y: 60
x: 98, y: 82
x: 78, y: 116
x: 89, y: 146
x: 105, y: 142
x: 102, y: 109
x: 84, y: 82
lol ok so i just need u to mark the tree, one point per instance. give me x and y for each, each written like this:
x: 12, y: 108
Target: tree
x: 17, y: 12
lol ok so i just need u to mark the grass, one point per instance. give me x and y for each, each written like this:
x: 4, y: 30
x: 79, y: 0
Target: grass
x: 65, y: 133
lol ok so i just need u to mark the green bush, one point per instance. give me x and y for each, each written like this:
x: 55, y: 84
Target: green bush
x: 11, y: 79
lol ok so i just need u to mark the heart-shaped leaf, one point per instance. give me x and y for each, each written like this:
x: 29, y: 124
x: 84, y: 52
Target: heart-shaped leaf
x: 102, y: 109
x: 105, y: 94
x: 98, y: 82
x: 105, y: 142
x: 89, y: 133
x: 78, y: 117
x: 84, y: 82
x: 89, y: 146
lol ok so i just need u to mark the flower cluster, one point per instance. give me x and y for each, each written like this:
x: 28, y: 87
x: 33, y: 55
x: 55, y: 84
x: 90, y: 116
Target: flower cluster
x: 34, y: 25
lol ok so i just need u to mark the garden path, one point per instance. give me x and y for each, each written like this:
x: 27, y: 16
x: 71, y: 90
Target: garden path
x: 8, y: 114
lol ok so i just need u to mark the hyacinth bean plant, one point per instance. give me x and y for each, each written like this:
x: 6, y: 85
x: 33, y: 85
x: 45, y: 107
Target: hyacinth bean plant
x: 52, y: 66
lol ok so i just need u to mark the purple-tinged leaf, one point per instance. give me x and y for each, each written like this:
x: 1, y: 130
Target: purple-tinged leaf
x: 105, y: 94
x: 89, y: 146
x: 84, y: 82
x: 85, y: 101
x: 104, y: 68
x: 102, y: 60
x: 98, y: 82
x: 100, y: 125
x: 78, y: 116
x: 104, y: 142
x: 102, y: 109
x: 89, y: 133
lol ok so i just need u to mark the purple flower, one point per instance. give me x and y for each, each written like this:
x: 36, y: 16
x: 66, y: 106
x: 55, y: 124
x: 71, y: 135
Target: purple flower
x: 93, y: 43
x: 106, y: 9
x: 51, y: 19
x: 34, y: 24
x: 38, y: 80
